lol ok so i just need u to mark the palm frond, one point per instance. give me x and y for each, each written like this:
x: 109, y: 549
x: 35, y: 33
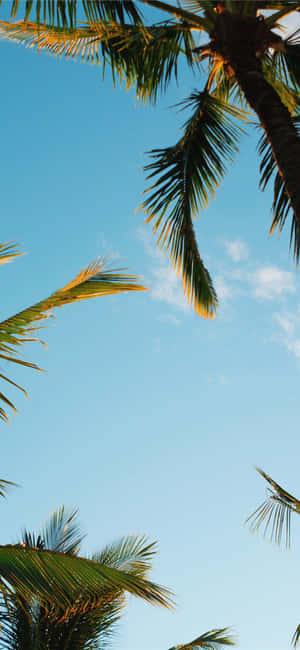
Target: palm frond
x: 296, y: 637
x: 95, y: 280
x: 145, y: 57
x: 8, y: 252
x: 184, y: 177
x: 132, y: 554
x: 275, y: 512
x: 192, y: 19
x: 281, y: 202
x: 54, y: 578
x: 210, y: 640
x: 64, y: 13
x: 5, y: 487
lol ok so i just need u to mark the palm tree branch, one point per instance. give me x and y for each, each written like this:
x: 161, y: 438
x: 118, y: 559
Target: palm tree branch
x: 210, y: 640
x: 184, y: 176
x: 275, y: 512
x: 146, y: 57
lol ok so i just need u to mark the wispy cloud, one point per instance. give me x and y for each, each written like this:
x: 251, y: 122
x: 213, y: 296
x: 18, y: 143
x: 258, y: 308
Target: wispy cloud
x: 237, y: 250
x: 289, y: 324
x: 271, y: 282
x: 169, y: 318
x: 165, y: 286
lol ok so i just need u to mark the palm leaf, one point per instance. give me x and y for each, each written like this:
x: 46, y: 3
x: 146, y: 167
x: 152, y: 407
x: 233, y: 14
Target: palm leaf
x: 132, y: 554
x: 96, y: 280
x: 60, y: 533
x: 296, y: 637
x: 8, y: 252
x: 184, y: 177
x: 275, y: 512
x: 146, y: 57
x: 281, y: 206
x: 5, y: 486
x: 53, y: 578
x: 63, y: 13
x: 209, y: 641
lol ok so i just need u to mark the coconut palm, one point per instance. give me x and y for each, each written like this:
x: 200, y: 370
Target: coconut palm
x: 242, y: 65
x: 98, y: 279
x: 274, y: 515
x: 50, y: 597
x: 87, y: 622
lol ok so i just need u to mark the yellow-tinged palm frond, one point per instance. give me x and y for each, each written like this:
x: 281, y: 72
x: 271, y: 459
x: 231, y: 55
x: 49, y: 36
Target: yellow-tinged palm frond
x: 185, y: 176
x: 95, y: 280
x: 54, y: 578
x: 8, y: 252
x: 145, y: 57
x: 210, y: 640
x: 275, y: 512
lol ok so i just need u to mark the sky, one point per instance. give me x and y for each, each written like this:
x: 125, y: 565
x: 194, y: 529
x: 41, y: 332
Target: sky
x: 148, y: 418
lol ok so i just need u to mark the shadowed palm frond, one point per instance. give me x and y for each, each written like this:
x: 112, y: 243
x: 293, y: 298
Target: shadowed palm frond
x: 146, y: 57
x: 96, y: 280
x: 60, y: 533
x: 281, y: 201
x: 185, y: 175
x: 275, y: 512
x: 296, y: 637
x: 209, y: 641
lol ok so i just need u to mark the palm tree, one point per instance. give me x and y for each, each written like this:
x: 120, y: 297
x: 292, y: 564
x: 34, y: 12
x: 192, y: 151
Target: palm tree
x: 98, y: 279
x: 85, y: 623
x: 275, y: 515
x: 50, y: 597
x: 249, y: 69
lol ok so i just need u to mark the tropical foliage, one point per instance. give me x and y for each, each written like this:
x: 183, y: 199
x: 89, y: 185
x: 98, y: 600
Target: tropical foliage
x: 274, y: 515
x: 98, y: 279
x: 95, y: 587
x: 212, y: 640
x: 245, y: 68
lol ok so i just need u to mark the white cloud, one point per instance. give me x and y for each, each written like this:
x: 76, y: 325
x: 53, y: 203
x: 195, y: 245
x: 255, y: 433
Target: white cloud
x: 169, y: 318
x: 224, y: 291
x: 289, y: 324
x: 270, y: 283
x: 237, y: 250
x: 165, y: 286
x: 290, y: 24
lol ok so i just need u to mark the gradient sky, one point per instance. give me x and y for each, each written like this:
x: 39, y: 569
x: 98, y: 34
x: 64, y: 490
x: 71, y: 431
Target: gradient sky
x: 149, y: 419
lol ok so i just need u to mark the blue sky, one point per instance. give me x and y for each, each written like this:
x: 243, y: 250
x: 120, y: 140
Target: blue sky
x: 148, y: 418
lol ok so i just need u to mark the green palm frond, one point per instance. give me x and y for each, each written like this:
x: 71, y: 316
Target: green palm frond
x: 62, y: 531
x: 95, y: 280
x: 185, y: 175
x: 281, y: 203
x: 146, y: 57
x: 296, y: 637
x: 277, y: 74
x: 275, y: 512
x: 64, y: 13
x: 53, y: 578
x: 132, y: 554
x: 5, y: 486
x: 8, y: 252
x: 210, y: 640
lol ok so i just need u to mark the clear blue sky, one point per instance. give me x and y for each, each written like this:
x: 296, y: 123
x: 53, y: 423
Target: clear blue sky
x: 149, y: 419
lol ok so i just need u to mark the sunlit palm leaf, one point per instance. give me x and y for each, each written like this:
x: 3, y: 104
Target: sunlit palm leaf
x: 96, y: 280
x: 54, y: 577
x: 275, y: 512
x: 63, y: 13
x: 209, y: 641
x: 185, y: 175
x: 8, y: 252
x: 281, y: 202
x: 146, y: 57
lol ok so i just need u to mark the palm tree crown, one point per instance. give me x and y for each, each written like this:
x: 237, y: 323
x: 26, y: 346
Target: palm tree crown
x: 249, y: 68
